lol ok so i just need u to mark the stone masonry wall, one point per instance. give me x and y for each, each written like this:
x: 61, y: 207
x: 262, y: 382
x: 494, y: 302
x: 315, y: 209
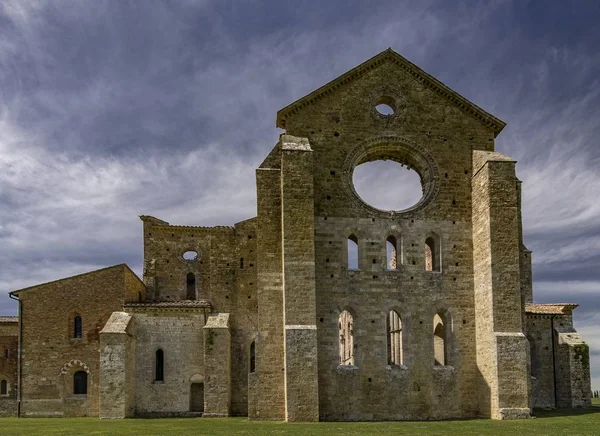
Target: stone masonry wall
x: 51, y: 354
x: 9, y: 345
x: 431, y: 135
x: 226, y: 276
x: 178, y: 333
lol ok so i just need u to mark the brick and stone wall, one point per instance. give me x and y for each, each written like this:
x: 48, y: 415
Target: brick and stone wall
x: 52, y: 354
x: 9, y: 343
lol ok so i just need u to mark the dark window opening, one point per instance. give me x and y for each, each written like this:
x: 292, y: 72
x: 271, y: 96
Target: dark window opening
x: 77, y: 327
x: 191, y: 286
x: 253, y: 357
x: 159, y: 369
x: 3, y: 387
x: 80, y: 383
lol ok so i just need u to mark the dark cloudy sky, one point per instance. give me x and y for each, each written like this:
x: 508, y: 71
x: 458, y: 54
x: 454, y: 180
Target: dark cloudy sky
x: 113, y: 109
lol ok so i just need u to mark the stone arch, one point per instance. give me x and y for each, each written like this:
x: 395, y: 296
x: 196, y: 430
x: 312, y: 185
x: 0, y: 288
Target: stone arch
x: 197, y: 378
x: 74, y: 364
x: 401, y: 150
x: 67, y: 373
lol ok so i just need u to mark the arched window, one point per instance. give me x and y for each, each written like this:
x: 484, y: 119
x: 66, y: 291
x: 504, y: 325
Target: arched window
x: 253, y: 357
x: 352, y: 252
x: 346, y: 332
x: 191, y: 286
x: 391, y: 248
x: 77, y: 327
x: 159, y: 366
x: 394, y: 326
x: 439, y: 339
x: 80, y: 383
x: 432, y: 253
x: 3, y: 387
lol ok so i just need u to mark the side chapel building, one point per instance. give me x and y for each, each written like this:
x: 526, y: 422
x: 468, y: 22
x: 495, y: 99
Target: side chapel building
x: 267, y: 318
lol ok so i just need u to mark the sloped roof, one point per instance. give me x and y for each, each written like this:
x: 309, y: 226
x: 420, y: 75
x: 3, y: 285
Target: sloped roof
x: 9, y: 319
x: 170, y: 304
x: 40, y: 285
x: 418, y: 74
x: 550, y: 309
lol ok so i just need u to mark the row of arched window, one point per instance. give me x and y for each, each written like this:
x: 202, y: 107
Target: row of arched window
x: 395, y: 335
x: 394, y: 252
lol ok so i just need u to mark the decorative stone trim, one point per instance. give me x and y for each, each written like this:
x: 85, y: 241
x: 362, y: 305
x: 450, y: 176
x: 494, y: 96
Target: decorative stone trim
x: 400, y: 150
x: 65, y: 369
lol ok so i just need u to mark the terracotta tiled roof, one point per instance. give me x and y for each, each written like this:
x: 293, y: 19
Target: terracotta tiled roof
x: 9, y: 319
x: 551, y: 309
x: 168, y: 304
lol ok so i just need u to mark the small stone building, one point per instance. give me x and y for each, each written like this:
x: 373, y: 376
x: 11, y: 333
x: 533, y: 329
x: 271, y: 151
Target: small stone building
x: 321, y: 307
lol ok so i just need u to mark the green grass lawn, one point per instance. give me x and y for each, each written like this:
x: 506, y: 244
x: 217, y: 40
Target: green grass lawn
x: 577, y: 422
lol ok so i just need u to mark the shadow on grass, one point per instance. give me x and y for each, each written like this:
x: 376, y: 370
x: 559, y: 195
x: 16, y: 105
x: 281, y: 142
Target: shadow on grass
x: 547, y: 413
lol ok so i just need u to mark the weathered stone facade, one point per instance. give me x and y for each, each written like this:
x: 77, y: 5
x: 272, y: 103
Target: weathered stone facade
x: 267, y: 319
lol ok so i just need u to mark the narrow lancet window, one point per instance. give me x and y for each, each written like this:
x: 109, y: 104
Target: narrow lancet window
x: 391, y: 247
x: 3, y: 387
x: 432, y: 254
x: 352, y: 252
x: 394, y: 325
x: 253, y: 357
x: 77, y: 327
x: 159, y: 366
x: 80, y: 383
x: 439, y: 339
x: 346, y: 333
x: 191, y: 286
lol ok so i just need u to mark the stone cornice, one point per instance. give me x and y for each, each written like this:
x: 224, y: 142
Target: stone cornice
x: 389, y: 55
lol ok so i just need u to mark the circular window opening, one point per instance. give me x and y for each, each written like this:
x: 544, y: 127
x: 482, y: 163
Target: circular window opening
x: 190, y: 255
x: 387, y: 185
x: 385, y: 106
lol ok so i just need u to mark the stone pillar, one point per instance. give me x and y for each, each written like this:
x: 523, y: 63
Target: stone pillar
x: 524, y: 259
x: 572, y: 357
x: 502, y: 348
x: 268, y: 401
x: 217, y: 366
x: 117, y: 367
x: 300, y: 346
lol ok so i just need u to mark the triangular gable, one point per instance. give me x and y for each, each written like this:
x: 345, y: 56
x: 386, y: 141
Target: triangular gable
x: 390, y: 55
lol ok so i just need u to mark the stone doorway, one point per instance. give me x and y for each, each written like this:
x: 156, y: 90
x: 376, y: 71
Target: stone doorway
x: 197, y: 397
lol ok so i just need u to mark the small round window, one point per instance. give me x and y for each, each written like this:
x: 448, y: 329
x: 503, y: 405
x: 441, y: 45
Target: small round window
x: 385, y: 106
x: 190, y: 255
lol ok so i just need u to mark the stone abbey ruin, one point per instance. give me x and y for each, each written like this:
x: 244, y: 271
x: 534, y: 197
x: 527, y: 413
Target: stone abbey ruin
x: 321, y: 307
